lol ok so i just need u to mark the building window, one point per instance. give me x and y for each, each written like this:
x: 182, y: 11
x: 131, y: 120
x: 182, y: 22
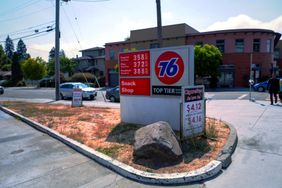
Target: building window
x: 256, y: 45
x: 239, y: 45
x: 268, y: 45
x: 154, y: 45
x: 112, y: 54
x: 220, y: 45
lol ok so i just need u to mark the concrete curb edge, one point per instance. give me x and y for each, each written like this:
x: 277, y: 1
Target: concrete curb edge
x: 225, y: 155
x: 206, y: 172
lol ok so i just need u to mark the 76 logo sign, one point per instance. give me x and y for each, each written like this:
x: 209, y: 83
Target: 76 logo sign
x: 169, y: 67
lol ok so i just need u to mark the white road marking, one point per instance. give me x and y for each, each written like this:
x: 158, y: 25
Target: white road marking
x: 242, y: 96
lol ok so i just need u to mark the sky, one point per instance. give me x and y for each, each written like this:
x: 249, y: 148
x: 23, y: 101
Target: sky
x: 90, y: 23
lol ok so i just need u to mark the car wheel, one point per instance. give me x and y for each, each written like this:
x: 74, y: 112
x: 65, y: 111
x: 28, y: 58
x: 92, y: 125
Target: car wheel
x: 62, y: 96
x: 261, y: 89
x: 91, y: 97
x: 112, y: 99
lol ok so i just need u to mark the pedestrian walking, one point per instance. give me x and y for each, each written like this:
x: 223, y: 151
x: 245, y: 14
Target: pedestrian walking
x: 273, y: 88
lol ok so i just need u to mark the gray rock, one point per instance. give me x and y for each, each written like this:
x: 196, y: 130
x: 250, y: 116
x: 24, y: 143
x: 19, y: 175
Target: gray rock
x: 155, y: 145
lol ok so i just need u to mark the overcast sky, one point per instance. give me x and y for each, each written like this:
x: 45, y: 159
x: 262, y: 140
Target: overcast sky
x: 86, y: 23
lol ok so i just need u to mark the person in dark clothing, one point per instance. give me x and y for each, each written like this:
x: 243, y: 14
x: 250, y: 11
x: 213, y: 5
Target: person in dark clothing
x: 273, y: 88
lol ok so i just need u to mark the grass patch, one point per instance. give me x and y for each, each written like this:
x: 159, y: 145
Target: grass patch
x: 84, y: 118
x: 78, y: 136
x: 111, y: 151
x: 124, y: 127
x: 211, y: 131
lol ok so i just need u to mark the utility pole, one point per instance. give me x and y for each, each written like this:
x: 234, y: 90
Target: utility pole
x: 159, y: 18
x: 57, y: 51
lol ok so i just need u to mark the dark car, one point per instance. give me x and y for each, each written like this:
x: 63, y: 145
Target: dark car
x: 261, y: 87
x: 112, y: 94
x: 1, y: 90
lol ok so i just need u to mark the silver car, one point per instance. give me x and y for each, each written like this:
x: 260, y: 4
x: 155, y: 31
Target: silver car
x: 66, y: 90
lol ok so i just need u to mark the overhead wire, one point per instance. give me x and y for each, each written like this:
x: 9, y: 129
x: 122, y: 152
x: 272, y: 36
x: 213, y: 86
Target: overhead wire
x: 29, y: 29
x: 31, y: 35
x: 20, y: 7
x: 21, y: 16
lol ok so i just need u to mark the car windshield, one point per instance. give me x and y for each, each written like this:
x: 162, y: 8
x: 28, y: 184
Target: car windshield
x: 81, y: 86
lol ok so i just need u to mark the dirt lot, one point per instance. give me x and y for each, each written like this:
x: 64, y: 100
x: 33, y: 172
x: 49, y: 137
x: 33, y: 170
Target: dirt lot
x: 100, y: 129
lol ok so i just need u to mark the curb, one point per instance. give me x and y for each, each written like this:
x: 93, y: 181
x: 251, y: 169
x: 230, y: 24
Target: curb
x: 210, y: 170
x: 225, y: 155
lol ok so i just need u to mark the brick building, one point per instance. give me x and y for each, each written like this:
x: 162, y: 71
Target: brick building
x: 237, y: 47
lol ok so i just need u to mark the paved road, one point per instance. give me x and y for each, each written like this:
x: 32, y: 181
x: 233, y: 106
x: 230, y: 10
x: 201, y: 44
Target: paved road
x: 29, y: 158
x: 49, y: 93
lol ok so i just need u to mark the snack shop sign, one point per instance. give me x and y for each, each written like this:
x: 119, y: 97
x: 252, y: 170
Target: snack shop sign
x: 160, y: 71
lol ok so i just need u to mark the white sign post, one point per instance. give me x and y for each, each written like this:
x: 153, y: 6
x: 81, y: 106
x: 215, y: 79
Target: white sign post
x: 193, y: 111
x: 77, y: 97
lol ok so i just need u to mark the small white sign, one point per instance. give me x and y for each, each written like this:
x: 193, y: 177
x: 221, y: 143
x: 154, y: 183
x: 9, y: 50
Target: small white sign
x: 77, y: 97
x: 193, y: 111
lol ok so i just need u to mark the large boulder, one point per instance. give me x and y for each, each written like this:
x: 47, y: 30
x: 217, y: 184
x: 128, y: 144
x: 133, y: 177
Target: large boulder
x: 156, y: 146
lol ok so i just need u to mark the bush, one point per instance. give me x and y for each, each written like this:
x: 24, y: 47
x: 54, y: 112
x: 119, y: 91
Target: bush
x: 83, y: 77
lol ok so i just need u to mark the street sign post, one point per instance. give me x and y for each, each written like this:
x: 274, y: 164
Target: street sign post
x: 77, y: 97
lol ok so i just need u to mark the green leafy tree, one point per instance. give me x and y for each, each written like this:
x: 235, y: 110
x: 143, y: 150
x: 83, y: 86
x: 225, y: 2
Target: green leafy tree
x: 9, y: 47
x: 17, y: 74
x: 34, y: 69
x: 5, y: 62
x: 66, y: 66
x: 207, y: 61
x: 52, y: 54
x: 22, y: 50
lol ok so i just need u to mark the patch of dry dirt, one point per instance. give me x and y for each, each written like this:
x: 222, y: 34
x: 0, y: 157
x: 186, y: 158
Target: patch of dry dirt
x: 100, y: 129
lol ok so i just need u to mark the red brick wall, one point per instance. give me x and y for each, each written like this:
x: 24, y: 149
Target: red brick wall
x: 242, y: 65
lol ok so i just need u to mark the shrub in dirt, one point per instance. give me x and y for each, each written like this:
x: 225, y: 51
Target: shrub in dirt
x: 83, y: 77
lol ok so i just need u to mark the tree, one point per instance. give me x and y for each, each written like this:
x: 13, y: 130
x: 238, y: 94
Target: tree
x: 17, y: 74
x: 66, y: 66
x: 207, y: 61
x: 5, y: 62
x: 52, y: 54
x: 21, y: 50
x: 9, y: 47
x: 34, y: 69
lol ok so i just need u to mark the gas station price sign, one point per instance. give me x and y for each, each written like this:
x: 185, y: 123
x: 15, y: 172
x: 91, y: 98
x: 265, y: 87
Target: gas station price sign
x: 134, y: 63
x: 193, y: 110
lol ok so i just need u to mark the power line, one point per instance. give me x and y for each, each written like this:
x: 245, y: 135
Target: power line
x: 20, y: 7
x: 31, y: 35
x: 29, y: 29
x: 72, y: 28
x: 19, y: 17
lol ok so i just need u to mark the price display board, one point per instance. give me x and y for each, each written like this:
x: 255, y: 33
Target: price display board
x: 134, y: 73
x: 193, y: 111
x: 134, y: 63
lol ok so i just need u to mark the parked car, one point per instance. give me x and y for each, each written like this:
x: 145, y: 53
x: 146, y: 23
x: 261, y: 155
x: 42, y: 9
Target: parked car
x: 66, y: 90
x: 261, y: 87
x: 112, y: 94
x: 1, y: 90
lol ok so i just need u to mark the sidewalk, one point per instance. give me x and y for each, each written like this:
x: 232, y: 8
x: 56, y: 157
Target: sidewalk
x: 257, y: 160
x: 30, y: 158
